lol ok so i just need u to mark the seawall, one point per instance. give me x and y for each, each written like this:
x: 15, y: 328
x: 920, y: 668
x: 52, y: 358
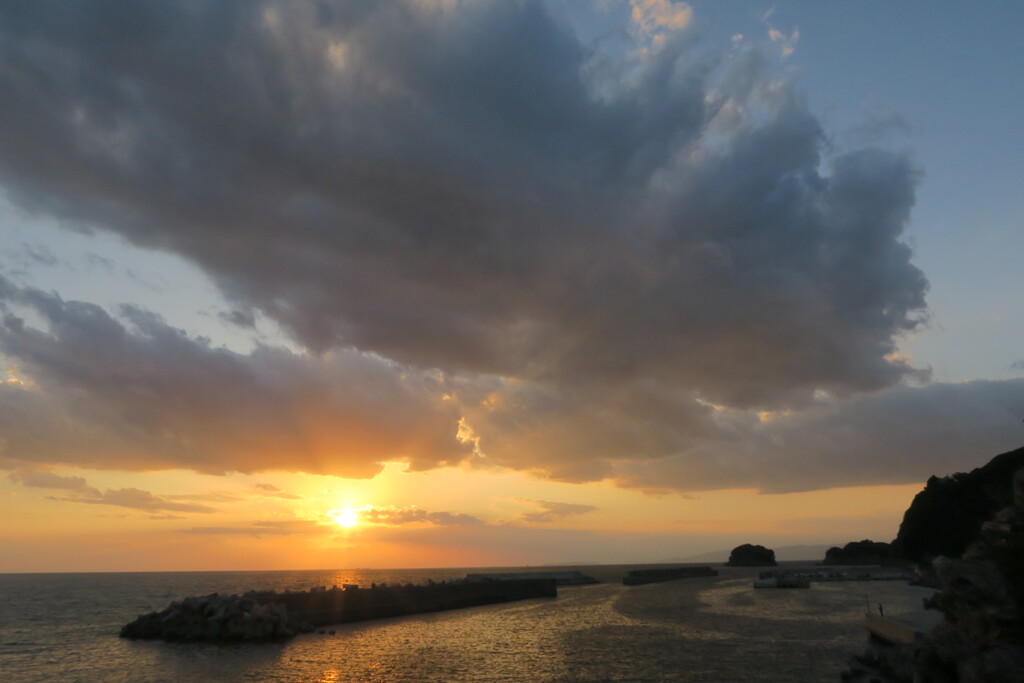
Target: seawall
x: 270, y: 615
x: 638, y: 577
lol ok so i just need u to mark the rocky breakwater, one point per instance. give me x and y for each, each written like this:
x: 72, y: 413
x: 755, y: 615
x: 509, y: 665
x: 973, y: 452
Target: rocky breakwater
x: 269, y: 615
x: 981, y: 636
x: 219, y: 617
x: 639, y: 577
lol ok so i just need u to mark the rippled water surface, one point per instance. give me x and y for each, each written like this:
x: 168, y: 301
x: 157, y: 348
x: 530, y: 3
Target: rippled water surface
x: 63, y: 627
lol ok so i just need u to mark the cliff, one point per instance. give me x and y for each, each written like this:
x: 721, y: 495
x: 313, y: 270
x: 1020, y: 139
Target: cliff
x: 981, y: 636
x: 946, y: 517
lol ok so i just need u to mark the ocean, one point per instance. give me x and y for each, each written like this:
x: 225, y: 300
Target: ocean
x: 64, y: 627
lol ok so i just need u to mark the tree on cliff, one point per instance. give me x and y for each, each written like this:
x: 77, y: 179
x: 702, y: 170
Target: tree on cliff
x: 748, y: 555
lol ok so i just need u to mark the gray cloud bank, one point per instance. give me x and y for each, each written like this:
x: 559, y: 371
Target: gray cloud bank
x: 133, y: 393
x: 471, y: 214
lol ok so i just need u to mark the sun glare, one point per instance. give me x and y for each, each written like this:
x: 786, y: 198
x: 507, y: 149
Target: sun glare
x: 346, y: 518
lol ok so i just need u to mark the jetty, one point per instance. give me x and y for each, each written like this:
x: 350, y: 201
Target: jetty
x: 802, y: 578
x: 562, y: 578
x: 639, y: 577
x: 269, y: 615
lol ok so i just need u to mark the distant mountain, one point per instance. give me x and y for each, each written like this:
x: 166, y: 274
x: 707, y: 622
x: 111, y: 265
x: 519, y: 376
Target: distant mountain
x: 947, y: 515
x: 786, y: 553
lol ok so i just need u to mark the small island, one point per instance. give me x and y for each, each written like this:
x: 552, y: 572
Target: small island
x: 864, y: 552
x: 748, y: 555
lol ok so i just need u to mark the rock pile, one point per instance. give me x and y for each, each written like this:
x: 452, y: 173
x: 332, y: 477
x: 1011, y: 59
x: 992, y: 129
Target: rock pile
x: 269, y: 615
x: 253, y: 616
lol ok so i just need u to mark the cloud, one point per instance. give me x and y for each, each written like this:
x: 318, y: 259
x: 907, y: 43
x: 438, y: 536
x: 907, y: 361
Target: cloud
x: 137, y: 499
x: 596, y: 264
x: 787, y: 43
x: 239, y: 318
x: 206, y: 497
x: 398, y: 516
x: 898, y: 436
x: 878, y: 126
x: 260, y: 528
x: 651, y: 15
x: 48, y: 480
x: 274, y: 492
x: 33, y: 254
x: 553, y: 511
x: 135, y: 394
x: 548, y: 213
x: 132, y: 498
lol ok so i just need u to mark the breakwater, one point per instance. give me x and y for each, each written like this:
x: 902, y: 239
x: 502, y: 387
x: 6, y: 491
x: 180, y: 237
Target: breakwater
x: 562, y: 578
x: 638, y: 577
x: 269, y: 615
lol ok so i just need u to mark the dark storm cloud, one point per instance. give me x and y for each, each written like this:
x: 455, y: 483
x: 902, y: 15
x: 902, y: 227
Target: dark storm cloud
x: 136, y: 394
x: 469, y: 187
x: 603, y: 263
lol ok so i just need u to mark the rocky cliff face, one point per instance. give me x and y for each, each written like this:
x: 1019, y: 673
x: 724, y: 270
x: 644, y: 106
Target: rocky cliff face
x: 981, y: 636
x: 945, y: 518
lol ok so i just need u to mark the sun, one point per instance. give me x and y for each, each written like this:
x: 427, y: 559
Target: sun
x: 346, y: 518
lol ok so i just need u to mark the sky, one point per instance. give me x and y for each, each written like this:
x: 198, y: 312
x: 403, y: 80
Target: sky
x: 436, y: 283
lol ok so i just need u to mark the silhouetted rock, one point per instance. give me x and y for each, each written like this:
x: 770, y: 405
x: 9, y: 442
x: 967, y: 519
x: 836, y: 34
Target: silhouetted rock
x: 947, y: 515
x: 859, y: 552
x: 981, y: 636
x: 748, y: 555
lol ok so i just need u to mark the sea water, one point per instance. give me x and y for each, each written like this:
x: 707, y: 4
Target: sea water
x: 64, y: 627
